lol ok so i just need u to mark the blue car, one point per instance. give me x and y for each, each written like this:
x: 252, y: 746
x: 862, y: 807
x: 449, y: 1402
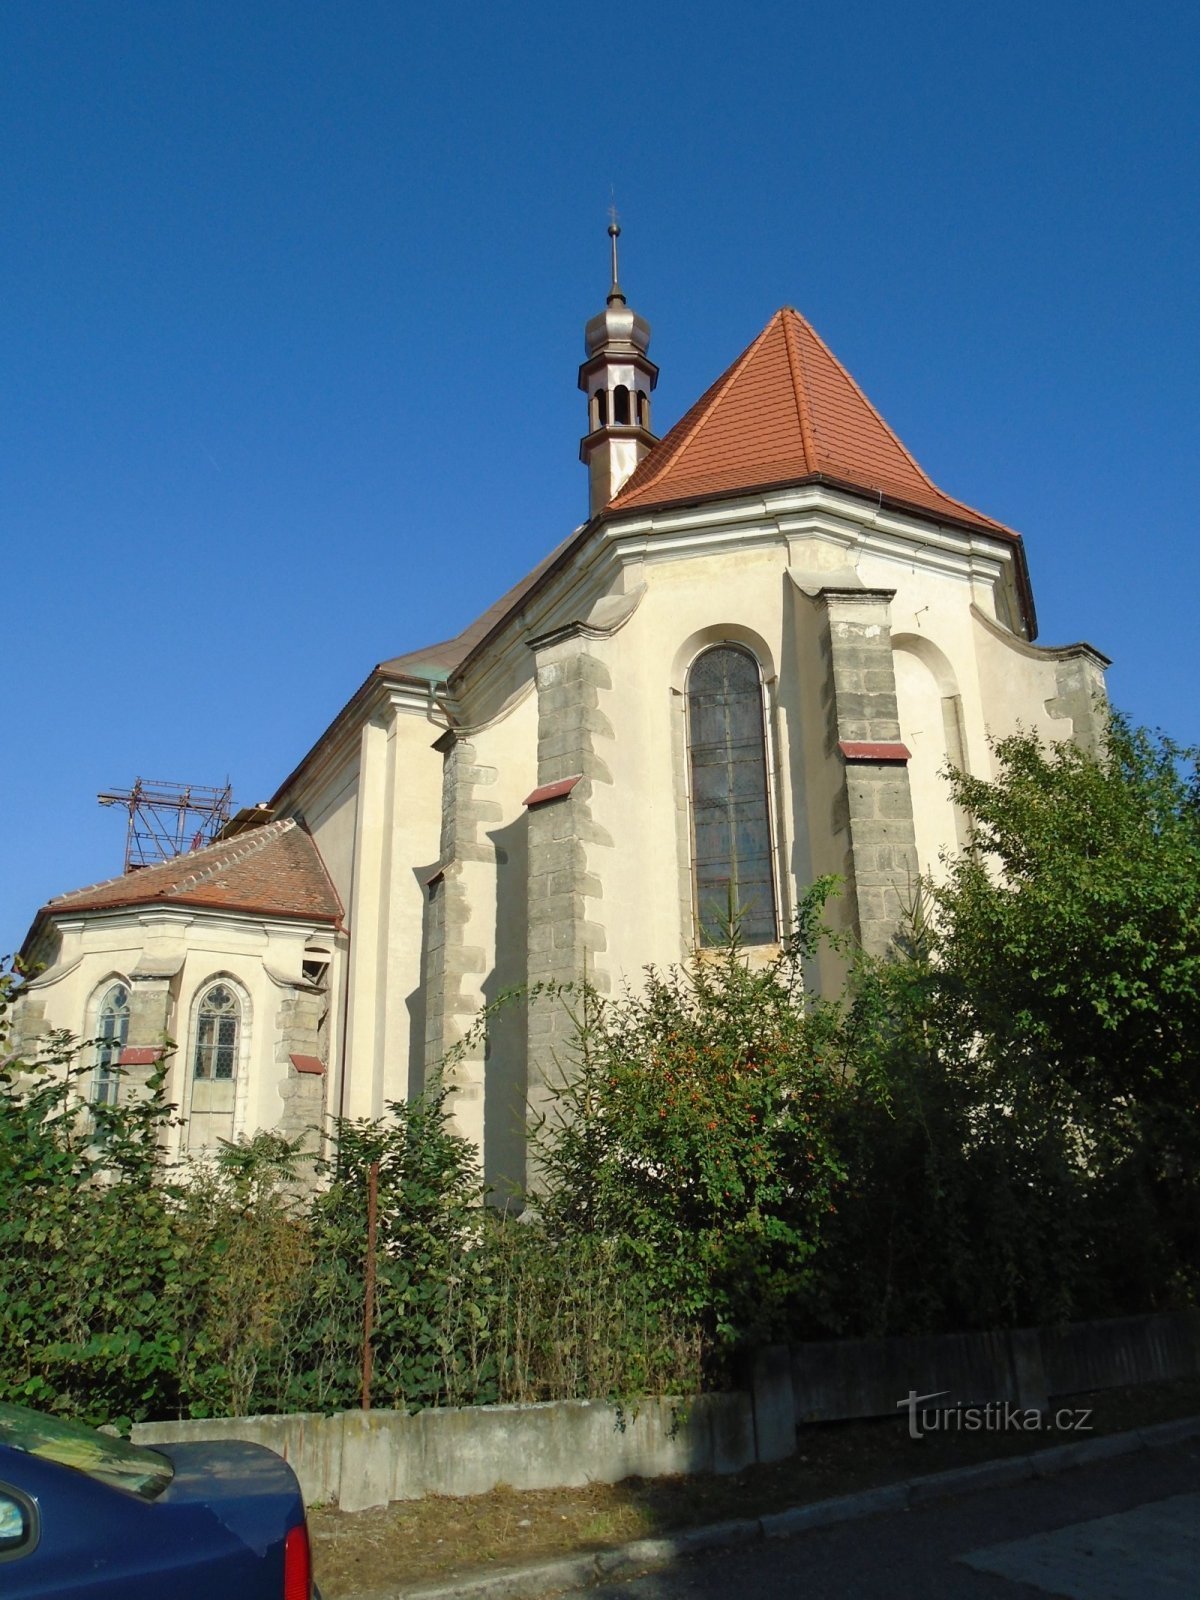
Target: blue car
x: 86, y: 1516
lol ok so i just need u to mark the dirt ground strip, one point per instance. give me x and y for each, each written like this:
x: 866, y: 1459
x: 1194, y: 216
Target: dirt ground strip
x: 416, y: 1541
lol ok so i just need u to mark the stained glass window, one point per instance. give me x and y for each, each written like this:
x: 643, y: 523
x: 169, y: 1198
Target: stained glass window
x: 217, y: 1036
x: 112, y: 1031
x: 731, y: 825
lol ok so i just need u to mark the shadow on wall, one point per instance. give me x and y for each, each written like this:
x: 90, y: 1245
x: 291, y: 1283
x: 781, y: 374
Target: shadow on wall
x: 416, y: 1001
x: 506, y: 1075
x: 931, y: 725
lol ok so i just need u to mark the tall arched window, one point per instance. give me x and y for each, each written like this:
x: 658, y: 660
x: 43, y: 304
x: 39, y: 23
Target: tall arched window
x: 731, y: 824
x: 214, y: 1064
x: 112, y: 1031
x: 621, y: 404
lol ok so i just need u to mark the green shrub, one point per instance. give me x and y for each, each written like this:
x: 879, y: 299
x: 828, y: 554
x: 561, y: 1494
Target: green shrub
x: 96, y: 1285
x: 691, y: 1133
x: 1023, y: 1141
x: 998, y: 1125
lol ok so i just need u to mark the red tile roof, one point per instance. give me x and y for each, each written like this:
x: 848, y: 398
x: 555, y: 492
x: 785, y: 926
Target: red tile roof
x: 275, y: 870
x: 787, y: 411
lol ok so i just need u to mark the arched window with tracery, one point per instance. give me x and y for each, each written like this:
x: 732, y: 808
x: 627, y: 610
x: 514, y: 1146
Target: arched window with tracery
x: 112, y: 1032
x: 214, y: 1066
x: 731, y: 822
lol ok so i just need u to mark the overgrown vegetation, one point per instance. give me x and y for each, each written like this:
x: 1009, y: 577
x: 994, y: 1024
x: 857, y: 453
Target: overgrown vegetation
x: 998, y: 1125
x: 693, y: 1128
x: 1025, y: 1132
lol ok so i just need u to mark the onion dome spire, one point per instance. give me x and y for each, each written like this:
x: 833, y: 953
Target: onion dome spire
x: 617, y: 376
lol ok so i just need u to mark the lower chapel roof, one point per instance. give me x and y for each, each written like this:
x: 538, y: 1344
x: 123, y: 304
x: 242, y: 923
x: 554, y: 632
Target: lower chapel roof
x: 274, y: 870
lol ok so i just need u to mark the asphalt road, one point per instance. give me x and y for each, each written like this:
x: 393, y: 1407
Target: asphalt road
x: 1124, y: 1529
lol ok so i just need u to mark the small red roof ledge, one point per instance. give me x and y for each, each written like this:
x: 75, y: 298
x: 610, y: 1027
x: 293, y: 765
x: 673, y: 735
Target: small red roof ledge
x: 865, y: 750
x: 140, y: 1055
x: 308, y: 1064
x: 552, y: 791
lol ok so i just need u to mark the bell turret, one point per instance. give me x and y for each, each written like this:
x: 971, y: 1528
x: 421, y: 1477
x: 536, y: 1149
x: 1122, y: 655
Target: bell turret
x: 617, y: 376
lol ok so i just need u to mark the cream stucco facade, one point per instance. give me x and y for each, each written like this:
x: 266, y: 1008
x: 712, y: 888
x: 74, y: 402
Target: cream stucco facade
x: 164, y: 962
x: 519, y: 806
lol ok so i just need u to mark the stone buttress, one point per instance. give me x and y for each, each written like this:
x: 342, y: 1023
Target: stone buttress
x: 566, y: 847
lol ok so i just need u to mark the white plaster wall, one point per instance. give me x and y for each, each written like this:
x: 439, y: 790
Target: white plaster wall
x: 398, y: 823
x: 508, y: 743
x: 919, y: 698
x: 329, y: 809
x: 497, y: 896
x: 413, y: 822
x: 226, y: 954
x: 687, y: 605
x: 1016, y: 680
x: 933, y: 609
x: 212, y: 946
x: 738, y: 590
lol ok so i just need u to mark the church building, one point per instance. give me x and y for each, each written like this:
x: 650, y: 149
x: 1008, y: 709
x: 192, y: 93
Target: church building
x: 748, y: 668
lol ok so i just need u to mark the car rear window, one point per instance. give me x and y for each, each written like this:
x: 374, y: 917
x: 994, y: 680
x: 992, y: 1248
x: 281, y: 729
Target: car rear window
x: 113, y: 1461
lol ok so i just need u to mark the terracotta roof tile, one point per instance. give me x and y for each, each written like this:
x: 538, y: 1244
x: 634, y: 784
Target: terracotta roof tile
x: 786, y: 411
x: 275, y: 870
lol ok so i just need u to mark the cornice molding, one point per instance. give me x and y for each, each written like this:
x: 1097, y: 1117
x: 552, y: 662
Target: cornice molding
x: 1040, y: 652
x: 52, y: 975
x: 176, y: 920
x: 756, y: 521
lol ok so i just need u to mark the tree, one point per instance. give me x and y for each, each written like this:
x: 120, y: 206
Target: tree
x: 1024, y: 1134
x: 1070, y: 929
x: 1068, y: 942
x: 691, y: 1127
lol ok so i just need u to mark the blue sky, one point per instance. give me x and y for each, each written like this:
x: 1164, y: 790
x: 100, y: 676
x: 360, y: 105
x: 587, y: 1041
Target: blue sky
x: 294, y: 300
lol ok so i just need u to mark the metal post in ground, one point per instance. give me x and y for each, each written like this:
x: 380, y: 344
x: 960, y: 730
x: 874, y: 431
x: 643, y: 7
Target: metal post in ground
x: 369, y: 1290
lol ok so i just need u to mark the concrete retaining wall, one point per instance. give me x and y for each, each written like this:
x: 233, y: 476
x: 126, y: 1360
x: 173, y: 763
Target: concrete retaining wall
x: 362, y: 1459
x: 843, y: 1378
x: 1106, y: 1355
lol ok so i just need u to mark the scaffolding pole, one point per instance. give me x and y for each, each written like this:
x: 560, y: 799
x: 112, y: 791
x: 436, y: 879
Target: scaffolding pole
x: 167, y: 819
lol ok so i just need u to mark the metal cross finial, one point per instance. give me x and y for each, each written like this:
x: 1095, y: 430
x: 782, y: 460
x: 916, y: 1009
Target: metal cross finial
x: 614, y: 233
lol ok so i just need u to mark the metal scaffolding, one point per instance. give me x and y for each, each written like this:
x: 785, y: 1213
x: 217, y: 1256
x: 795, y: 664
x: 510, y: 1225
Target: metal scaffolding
x: 166, y: 819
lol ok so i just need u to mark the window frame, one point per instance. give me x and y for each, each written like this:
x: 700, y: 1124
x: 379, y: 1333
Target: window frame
x: 215, y: 1046
x: 236, y: 1080
x: 106, y: 1070
x: 766, y: 751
